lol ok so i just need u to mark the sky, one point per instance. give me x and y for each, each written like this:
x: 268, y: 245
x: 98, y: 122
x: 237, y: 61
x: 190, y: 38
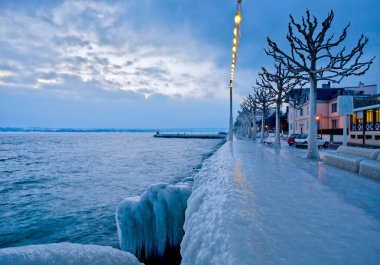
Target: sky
x: 149, y: 63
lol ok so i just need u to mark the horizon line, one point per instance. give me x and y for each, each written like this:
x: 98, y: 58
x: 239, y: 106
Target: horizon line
x: 105, y: 129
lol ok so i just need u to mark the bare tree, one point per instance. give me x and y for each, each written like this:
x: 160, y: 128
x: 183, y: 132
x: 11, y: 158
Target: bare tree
x: 242, y: 123
x: 263, y: 98
x: 245, y: 116
x: 312, y: 58
x: 252, y: 108
x: 279, y: 83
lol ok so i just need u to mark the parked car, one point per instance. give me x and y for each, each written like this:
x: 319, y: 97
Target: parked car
x: 301, y: 140
x: 291, y: 139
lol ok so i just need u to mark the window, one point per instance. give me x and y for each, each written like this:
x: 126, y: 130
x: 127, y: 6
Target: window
x: 360, y: 136
x: 307, y: 125
x: 353, y: 118
x: 359, y: 117
x: 377, y: 137
x: 369, y: 115
x: 377, y: 115
x: 307, y: 110
x: 301, y: 112
x: 368, y: 137
x: 353, y: 136
x: 333, y: 107
x: 334, y: 124
x: 291, y: 126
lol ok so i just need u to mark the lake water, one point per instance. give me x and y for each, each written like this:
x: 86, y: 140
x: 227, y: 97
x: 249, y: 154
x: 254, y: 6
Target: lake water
x: 64, y: 187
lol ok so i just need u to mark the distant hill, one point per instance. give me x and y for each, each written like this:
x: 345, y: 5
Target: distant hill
x: 105, y: 130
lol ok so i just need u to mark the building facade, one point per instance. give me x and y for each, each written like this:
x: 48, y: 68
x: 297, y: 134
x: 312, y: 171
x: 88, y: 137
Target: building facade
x: 365, y: 125
x: 329, y: 122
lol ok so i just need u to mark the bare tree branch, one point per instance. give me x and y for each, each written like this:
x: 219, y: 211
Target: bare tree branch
x: 314, y: 57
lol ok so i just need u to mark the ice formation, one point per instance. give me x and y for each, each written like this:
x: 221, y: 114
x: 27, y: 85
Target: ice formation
x: 66, y: 254
x: 370, y: 168
x: 206, y: 240
x: 351, y: 158
x: 251, y: 204
x: 152, y: 222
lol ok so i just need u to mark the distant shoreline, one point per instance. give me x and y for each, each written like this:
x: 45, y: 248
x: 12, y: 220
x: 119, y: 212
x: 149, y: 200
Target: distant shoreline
x: 109, y: 130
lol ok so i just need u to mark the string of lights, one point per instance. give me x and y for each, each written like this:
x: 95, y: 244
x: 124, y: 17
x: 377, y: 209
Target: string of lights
x: 235, y: 44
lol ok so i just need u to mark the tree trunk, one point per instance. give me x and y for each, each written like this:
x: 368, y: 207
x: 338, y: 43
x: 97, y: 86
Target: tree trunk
x: 254, y: 130
x: 249, y: 122
x: 262, y: 128
x: 312, y: 148
x: 294, y: 120
x: 277, y: 143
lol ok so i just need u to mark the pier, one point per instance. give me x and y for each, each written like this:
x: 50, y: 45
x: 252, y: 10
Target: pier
x: 189, y: 135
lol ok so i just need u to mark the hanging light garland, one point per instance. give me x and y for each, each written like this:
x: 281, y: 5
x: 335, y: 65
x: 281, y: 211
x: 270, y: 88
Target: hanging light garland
x: 235, y: 44
x: 235, y: 40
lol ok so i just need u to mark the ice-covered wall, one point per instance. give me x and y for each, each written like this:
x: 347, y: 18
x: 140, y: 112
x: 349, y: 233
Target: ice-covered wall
x: 66, y: 254
x: 152, y: 222
x: 206, y: 240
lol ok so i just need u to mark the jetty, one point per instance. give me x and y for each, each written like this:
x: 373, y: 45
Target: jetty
x: 221, y: 135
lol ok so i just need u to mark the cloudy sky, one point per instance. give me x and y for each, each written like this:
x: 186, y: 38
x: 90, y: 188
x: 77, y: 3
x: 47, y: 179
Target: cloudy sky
x: 147, y: 63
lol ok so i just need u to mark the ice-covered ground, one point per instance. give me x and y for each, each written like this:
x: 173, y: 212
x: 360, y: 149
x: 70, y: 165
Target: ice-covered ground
x: 252, y: 205
x: 66, y: 254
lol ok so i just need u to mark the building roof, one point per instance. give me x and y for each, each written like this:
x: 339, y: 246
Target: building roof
x: 367, y: 107
x: 301, y: 95
x: 366, y: 101
x: 327, y: 93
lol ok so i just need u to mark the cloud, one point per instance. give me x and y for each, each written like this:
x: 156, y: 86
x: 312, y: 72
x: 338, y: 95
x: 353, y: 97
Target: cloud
x: 95, y: 42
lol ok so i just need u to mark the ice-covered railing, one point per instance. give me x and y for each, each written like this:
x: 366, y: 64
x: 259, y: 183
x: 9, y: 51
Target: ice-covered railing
x: 151, y: 225
x: 66, y: 254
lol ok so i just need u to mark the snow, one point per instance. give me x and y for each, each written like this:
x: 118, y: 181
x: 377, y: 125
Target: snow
x: 151, y: 223
x: 66, y: 254
x: 370, y: 168
x: 344, y: 161
x: 357, y: 151
x: 252, y: 204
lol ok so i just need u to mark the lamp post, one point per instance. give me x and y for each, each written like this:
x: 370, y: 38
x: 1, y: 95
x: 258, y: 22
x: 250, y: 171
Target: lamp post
x: 230, y: 138
x: 235, y: 42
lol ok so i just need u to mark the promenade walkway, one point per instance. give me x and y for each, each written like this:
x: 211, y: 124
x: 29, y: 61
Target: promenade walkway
x: 253, y: 205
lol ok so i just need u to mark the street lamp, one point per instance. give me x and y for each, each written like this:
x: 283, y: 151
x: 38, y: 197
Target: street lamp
x: 318, y: 119
x: 235, y: 42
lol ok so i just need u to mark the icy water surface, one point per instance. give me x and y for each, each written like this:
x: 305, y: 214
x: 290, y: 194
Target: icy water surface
x: 57, y: 187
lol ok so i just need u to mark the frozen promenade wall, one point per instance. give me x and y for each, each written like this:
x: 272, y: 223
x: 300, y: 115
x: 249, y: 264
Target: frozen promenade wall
x: 66, y: 254
x: 206, y: 239
x: 151, y: 225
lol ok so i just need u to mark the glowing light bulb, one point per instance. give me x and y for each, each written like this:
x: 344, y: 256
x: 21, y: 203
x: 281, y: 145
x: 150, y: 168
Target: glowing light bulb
x: 234, y: 41
x: 234, y: 49
x: 237, y: 18
x: 235, y: 31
